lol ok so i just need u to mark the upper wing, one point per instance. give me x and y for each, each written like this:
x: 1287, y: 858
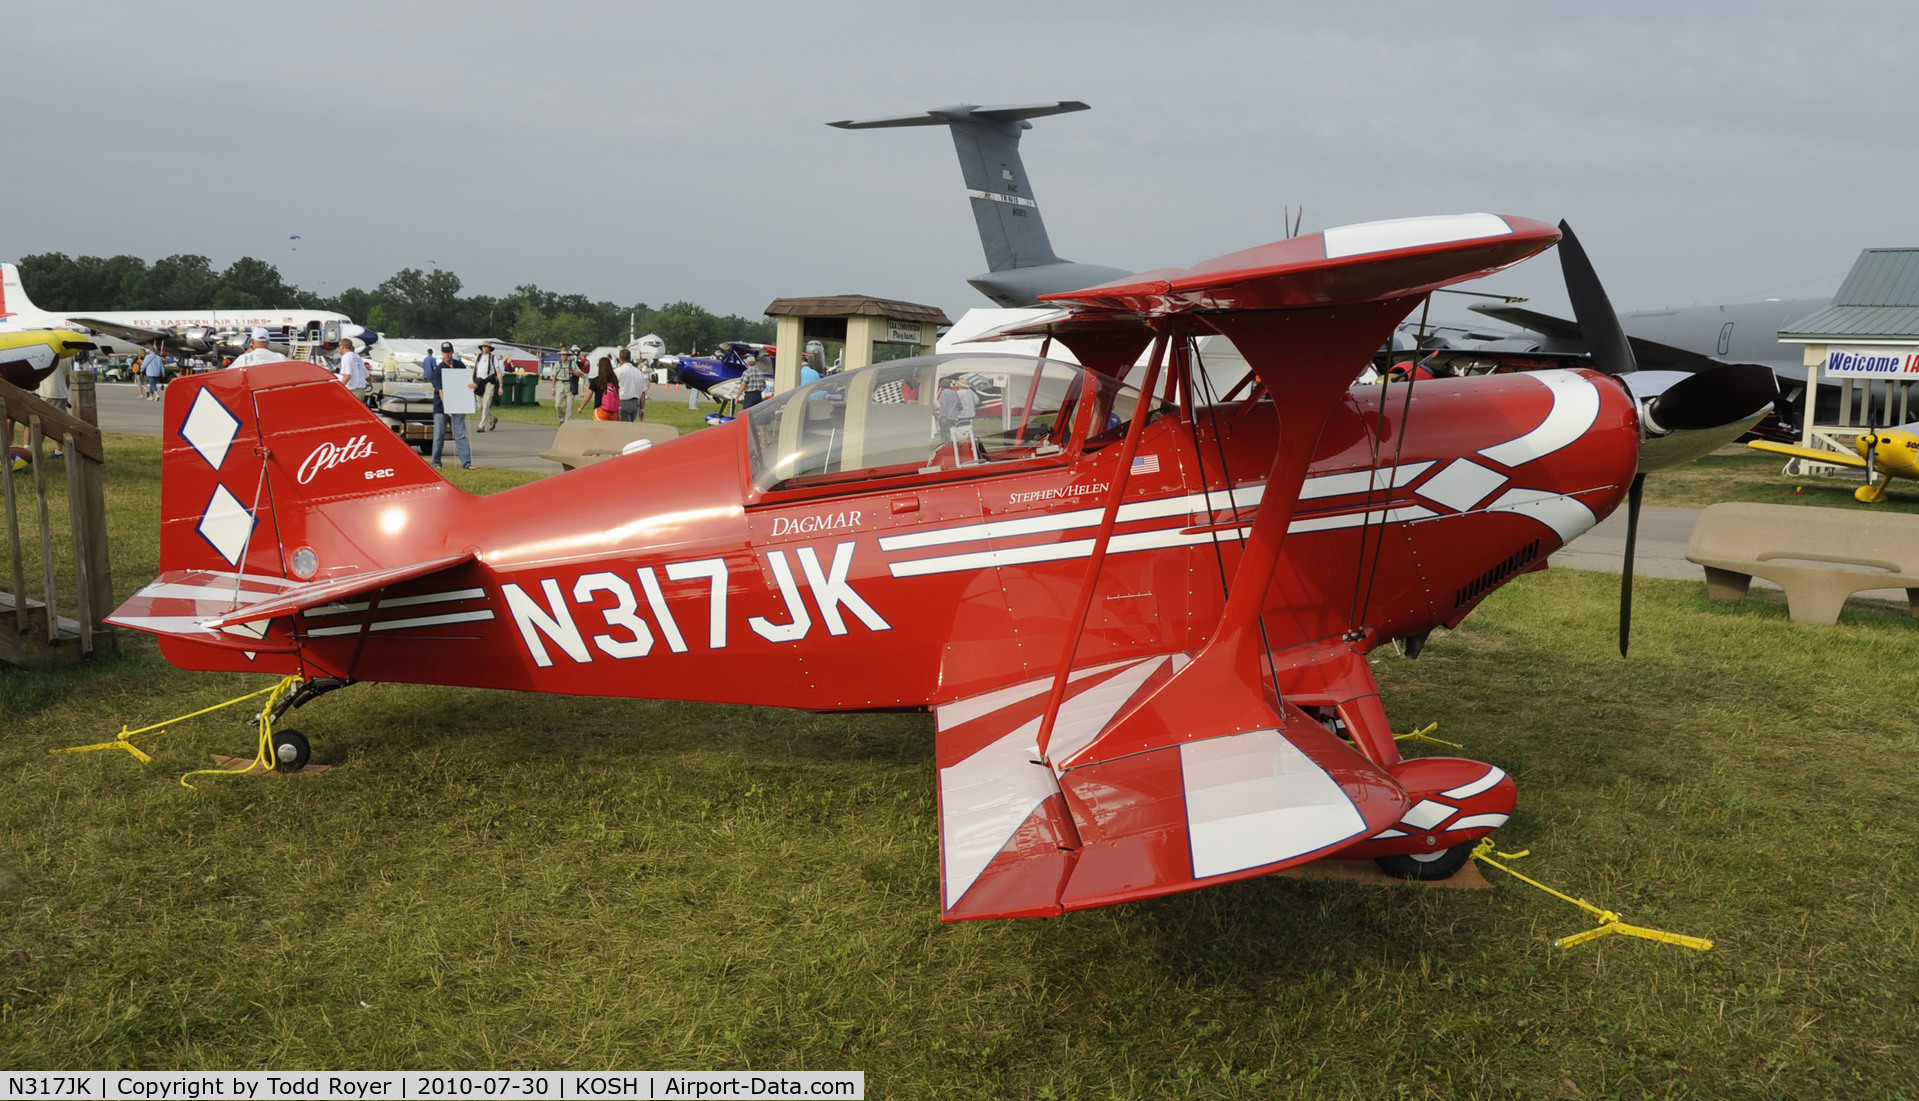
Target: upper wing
x: 1837, y: 458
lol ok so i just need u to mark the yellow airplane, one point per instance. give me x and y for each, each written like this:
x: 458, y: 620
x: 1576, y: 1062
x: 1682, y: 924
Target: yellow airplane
x: 27, y: 356
x: 1892, y: 452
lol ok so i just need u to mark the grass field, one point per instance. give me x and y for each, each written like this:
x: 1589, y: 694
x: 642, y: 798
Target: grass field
x: 491, y: 880
x: 1739, y: 473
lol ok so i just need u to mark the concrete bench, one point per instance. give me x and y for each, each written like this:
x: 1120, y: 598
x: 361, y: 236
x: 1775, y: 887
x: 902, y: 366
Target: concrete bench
x: 584, y: 442
x: 1819, y: 556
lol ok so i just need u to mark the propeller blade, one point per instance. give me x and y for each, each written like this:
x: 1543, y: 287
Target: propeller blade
x: 1872, y: 440
x: 1605, y: 338
x: 1719, y: 395
x: 1625, y: 569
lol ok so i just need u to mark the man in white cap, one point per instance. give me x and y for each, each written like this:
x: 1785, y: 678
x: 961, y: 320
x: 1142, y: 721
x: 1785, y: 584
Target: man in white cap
x: 443, y: 420
x: 257, y: 352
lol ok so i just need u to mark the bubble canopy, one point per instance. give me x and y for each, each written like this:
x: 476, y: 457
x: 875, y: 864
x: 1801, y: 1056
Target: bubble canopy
x: 932, y: 414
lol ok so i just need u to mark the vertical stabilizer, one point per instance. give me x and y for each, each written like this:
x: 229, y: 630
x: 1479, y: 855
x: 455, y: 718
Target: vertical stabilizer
x: 13, y: 297
x: 1020, y: 259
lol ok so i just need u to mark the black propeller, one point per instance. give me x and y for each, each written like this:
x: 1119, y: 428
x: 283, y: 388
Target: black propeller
x: 1872, y: 444
x: 1716, y: 396
x: 1611, y: 353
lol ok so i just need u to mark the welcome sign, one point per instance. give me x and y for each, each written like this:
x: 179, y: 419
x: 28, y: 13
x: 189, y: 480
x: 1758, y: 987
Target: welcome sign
x: 1871, y: 362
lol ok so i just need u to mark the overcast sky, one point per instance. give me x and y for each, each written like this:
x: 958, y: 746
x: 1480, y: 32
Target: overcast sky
x: 645, y: 152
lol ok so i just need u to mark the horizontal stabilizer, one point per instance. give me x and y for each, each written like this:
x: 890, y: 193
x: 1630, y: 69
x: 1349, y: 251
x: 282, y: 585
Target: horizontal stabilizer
x: 213, y: 606
x: 941, y: 116
x: 321, y: 593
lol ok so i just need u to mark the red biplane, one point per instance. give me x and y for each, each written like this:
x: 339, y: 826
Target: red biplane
x: 1140, y: 616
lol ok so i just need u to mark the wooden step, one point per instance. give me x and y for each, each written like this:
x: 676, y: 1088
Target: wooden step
x: 30, y: 648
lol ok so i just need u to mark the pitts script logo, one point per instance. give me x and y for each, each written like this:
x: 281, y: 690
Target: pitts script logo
x: 329, y: 455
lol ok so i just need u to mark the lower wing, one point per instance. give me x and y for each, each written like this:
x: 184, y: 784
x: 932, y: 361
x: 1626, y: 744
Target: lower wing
x: 1817, y: 455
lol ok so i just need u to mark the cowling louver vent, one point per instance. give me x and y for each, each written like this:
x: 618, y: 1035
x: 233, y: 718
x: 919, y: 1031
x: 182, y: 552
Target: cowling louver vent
x: 1512, y: 565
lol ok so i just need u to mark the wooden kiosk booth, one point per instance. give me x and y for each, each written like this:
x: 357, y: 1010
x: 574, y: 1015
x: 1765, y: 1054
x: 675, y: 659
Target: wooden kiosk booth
x: 854, y: 330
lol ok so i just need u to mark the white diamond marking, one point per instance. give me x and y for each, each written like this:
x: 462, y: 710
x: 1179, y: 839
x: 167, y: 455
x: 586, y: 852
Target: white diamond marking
x: 1427, y: 815
x: 1461, y: 485
x: 228, y: 525
x: 210, y: 428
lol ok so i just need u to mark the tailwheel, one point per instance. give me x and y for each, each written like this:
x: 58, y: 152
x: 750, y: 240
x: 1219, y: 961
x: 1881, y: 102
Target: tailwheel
x: 291, y: 751
x: 1427, y: 866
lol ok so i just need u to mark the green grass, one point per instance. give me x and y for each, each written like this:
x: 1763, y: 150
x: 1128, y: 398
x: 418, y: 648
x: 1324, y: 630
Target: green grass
x: 489, y: 879
x: 1741, y: 474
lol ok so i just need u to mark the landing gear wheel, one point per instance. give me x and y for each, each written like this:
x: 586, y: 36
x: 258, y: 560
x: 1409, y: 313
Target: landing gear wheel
x: 1427, y: 866
x: 291, y: 751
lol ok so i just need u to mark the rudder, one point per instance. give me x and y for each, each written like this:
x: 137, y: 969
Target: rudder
x: 249, y: 456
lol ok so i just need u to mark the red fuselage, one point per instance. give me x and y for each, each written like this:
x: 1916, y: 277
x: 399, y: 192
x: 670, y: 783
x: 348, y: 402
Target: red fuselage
x: 666, y: 575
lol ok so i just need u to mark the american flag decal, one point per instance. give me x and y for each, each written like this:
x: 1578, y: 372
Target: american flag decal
x: 1146, y: 464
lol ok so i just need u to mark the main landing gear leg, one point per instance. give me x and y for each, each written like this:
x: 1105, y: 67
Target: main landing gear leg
x: 291, y: 749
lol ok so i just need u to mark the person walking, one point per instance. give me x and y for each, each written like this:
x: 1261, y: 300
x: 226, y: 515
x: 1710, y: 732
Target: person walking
x: 566, y: 382
x: 153, y: 371
x: 632, y: 387
x: 487, y: 376
x: 604, y: 392
x: 752, y: 383
x: 55, y: 389
x: 257, y: 351
x: 352, y: 370
x: 442, y: 420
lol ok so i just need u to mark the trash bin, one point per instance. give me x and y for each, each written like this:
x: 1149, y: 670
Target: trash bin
x: 527, y: 384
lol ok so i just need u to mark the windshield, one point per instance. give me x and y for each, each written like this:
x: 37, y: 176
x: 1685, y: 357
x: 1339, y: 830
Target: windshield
x: 926, y: 414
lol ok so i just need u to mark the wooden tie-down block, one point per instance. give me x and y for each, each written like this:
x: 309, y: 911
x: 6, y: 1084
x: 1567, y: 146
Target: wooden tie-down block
x: 1365, y: 871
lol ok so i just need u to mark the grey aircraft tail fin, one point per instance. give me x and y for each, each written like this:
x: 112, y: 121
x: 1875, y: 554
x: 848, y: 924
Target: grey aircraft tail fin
x: 987, y: 140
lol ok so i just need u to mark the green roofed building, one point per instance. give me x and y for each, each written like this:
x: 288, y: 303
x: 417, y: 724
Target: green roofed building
x: 1866, y: 343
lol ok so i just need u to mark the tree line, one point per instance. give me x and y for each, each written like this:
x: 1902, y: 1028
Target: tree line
x: 409, y: 303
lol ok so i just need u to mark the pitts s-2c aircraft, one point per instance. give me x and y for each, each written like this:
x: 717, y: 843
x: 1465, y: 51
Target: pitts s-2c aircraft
x: 1141, y: 617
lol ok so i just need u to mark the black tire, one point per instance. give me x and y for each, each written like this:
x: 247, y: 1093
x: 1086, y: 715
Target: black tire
x: 1439, y: 865
x: 291, y: 751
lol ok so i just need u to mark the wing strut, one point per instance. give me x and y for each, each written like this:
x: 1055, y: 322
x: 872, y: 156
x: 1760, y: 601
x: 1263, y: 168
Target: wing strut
x: 1084, y: 605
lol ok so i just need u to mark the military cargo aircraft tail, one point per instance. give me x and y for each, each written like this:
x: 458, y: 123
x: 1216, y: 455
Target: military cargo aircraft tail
x: 1020, y: 258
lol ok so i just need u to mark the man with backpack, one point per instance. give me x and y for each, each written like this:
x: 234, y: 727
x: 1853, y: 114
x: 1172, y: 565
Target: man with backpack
x: 566, y: 382
x: 487, y: 376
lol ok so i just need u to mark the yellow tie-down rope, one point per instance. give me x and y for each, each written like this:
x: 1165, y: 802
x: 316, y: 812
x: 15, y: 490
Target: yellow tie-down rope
x: 1424, y: 734
x: 1608, y: 921
x: 263, y: 756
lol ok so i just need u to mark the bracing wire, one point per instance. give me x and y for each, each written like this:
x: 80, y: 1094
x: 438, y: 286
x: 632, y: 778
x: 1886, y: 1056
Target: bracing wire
x: 1205, y: 380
